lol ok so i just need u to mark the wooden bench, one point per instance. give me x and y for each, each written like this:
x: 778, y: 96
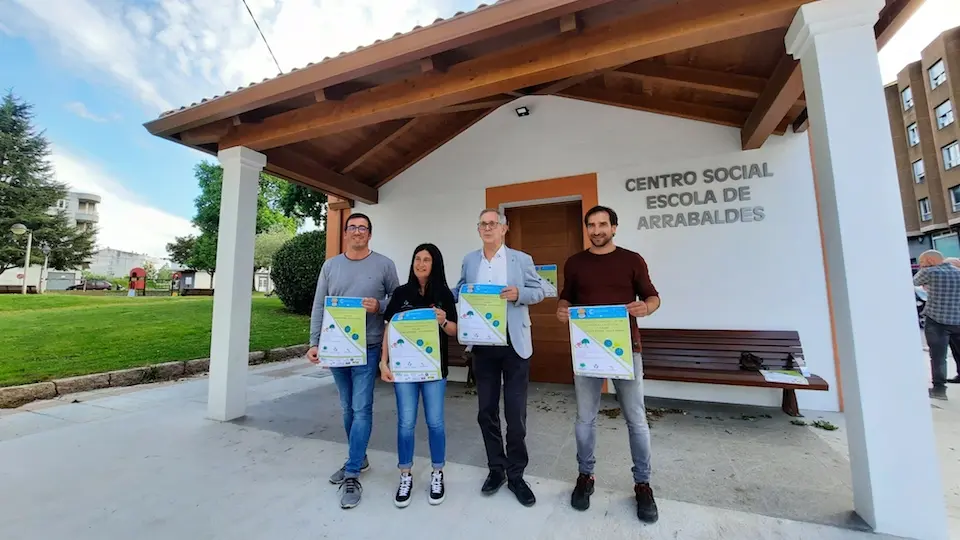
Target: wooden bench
x: 197, y: 292
x: 17, y: 289
x: 713, y: 357
x: 458, y: 356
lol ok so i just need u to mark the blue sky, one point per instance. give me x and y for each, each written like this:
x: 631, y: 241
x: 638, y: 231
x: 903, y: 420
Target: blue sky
x: 96, y: 70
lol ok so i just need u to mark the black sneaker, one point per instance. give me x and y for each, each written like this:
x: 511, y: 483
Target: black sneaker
x: 403, y: 491
x: 437, y: 491
x: 646, y: 506
x: 954, y: 380
x: 939, y: 392
x: 494, y: 481
x: 581, y: 494
x: 522, y: 490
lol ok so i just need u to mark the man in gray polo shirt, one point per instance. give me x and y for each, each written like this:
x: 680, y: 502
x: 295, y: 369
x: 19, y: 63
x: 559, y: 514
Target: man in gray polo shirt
x: 358, y: 273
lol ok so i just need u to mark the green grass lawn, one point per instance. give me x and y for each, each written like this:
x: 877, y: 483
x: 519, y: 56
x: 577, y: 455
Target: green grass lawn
x: 44, y: 337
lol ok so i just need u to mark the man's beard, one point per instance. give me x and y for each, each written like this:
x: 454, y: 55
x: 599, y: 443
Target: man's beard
x: 600, y: 242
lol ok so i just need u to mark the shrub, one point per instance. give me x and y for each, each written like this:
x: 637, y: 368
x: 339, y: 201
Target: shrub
x: 296, y: 266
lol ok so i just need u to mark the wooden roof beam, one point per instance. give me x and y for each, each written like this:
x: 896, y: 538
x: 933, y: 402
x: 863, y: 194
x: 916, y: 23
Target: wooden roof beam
x: 892, y: 18
x: 430, y: 146
x: 302, y: 169
x: 801, y: 123
x: 432, y: 63
x: 569, y: 23
x: 694, y: 78
x: 483, y: 104
x: 208, y: 134
x: 385, y: 134
x: 781, y: 93
x: 640, y: 36
x: 641, y: 102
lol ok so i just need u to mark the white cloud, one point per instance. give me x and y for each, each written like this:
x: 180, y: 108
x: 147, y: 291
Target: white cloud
x: 81, y: 110
x: 174, y: 52
x: 126, y: 223
x: 933, y: 17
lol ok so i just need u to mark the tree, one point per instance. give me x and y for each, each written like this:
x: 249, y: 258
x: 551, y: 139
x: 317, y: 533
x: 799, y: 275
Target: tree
x: 151, y: 270
x: 181, y: 249
x: 269, y: 211
x: 204, y: 256
x: 28, y: 191
x: 302, y: 202
x: 267, y: 244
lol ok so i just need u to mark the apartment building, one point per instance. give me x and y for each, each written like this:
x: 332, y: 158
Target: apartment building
x: 81, y: 209
x: 922, y: 106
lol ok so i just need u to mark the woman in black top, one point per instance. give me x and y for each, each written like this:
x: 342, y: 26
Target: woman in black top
x: 425, y: 288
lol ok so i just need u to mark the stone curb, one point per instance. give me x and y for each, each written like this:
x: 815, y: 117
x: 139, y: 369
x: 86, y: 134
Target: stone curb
x: 16, y: 396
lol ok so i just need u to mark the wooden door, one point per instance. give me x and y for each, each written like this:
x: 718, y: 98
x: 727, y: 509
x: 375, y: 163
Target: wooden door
x: 550, y: 234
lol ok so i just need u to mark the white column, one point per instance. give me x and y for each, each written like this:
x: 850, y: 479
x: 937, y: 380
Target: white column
x: 230, y: 337
x: 890, y: 436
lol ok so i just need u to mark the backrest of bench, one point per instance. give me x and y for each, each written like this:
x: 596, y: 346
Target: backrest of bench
x: 456, y: 353
x: 716, y: 349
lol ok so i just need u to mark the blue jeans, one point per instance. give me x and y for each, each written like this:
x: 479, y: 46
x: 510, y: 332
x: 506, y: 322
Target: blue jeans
x: 630, y: 396
x: 408, y: 401
x: 355, y: 385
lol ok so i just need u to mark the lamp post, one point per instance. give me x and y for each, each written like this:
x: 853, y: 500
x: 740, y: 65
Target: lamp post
x: 18, y: 229
x: 45, y: 248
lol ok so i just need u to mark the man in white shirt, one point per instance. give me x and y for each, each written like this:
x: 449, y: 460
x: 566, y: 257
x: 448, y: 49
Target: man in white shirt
x: 497, y: 264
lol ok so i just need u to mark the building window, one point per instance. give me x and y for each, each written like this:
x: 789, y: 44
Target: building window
x: 951, y: 155
x: 919, y: 174
x: 955, y: 198
x: 913, y: 135
x: 938, y: 74
x: 925, y: 213
x: 944, y: 114
x: 62, y: 204
x: 907, y: 96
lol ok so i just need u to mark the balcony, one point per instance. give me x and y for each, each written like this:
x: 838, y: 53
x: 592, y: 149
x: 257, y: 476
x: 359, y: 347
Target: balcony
x: 87, y: 217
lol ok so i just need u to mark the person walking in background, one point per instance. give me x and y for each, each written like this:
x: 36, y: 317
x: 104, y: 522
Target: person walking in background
x: 955, y: 341
x: 942, y: 311
x: 358, y: 273
x: 497, y: 264
x: 606, y: 274
x: 426, y: 287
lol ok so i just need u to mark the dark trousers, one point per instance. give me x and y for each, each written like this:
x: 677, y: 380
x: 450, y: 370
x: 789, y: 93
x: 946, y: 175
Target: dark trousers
x: 939, y: 337
x: 490, y: 366
x: 955, y: 350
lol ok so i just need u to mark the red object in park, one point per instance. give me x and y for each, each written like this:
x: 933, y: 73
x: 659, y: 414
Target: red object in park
x: 138, y: 279
x: 19, y: 276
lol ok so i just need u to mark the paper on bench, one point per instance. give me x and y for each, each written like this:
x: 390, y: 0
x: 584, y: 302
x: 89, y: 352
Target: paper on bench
x: 784, y: 376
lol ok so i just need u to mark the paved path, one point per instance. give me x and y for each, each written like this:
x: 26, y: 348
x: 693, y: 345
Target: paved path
x: 147, y: 465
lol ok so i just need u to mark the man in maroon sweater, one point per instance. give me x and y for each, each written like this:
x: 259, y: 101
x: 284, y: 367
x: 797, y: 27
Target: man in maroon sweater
x: 609, y: 275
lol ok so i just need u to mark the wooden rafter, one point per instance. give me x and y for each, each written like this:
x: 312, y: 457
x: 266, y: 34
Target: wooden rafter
x: 208, y: 134
x: 641, y: 102
x: 892, y: 19
x: 621, y: 42
x: 450, y: 34
x: 801, y: 123
x: 385, y: 134
x: 569, y: 23
x: 698, y: 79
x: 304, y: 170
x: 483, y: 104
x: 781, y: 93
x: 444, y: 136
